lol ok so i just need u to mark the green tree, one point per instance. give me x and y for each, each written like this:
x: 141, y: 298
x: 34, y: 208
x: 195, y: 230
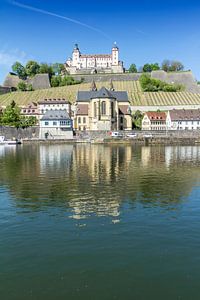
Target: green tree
x: 56, y: 81
x: 26, y: 122
x: 11, y: 115
x: 155, y: 67
x: 147, y: 68
x: 46, y: 69
x: 137, y: 119
x: 176, y: 66
x: 132, y: 68
x: 151, y: 67
x: 22, y: 86
x: 172, y: 66
x: 32, y: 68
x: 58, y: 68
x: 149, y: 84
x: 19, y: 69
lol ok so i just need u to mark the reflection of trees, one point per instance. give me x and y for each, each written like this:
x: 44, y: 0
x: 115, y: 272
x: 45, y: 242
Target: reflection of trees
x: 87, y: 179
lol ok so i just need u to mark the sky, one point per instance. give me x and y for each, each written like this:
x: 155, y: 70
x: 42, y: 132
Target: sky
x: 145, y: 31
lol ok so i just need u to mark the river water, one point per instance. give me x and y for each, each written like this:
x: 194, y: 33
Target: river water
x: 99, y: 222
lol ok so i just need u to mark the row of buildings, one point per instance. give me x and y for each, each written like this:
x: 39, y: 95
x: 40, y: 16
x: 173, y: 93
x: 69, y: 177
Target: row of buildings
x: 102, y: 110
x: 176, y: 119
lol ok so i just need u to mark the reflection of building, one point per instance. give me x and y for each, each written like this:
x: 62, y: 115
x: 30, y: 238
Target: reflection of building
x: 55, y: 124
x: 154, y: 121
x: 102, y: 110
x: 181, y: 153
x: 55, y: 157
x: 105, y: 63
x: 182, y: 119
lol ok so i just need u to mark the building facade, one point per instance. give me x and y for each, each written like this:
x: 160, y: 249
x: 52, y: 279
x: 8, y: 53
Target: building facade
x: 154, y: 121
x: 96, y: 63
x: 52, y: 105
x: 55, y: 124
x: 31, y: 110
x: 182, y: 119
x: 102, y: 110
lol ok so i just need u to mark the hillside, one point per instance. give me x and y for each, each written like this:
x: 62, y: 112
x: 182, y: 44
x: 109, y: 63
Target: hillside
x: 136, y: 96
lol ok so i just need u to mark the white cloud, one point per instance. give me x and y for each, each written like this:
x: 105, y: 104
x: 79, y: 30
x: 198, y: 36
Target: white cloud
x: 8, y: 57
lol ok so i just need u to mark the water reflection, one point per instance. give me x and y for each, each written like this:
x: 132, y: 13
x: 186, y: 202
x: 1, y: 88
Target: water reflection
x: 84, y: 180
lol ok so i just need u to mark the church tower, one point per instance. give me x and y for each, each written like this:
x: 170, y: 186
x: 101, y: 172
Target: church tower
x: 115, y: 55
x: 75, y: 56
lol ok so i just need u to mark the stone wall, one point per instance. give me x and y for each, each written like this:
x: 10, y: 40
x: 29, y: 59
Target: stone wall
x: 14, y: 133
x: 4, y: 90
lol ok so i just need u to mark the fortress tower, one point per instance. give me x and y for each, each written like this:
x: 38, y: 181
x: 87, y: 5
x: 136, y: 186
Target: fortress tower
x: 94, y: 63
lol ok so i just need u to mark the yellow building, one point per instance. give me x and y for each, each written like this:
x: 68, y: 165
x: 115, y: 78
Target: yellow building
x: 102, y: 110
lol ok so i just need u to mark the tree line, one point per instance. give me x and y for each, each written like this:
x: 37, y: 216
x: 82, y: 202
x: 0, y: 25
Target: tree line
x: 33, y: 67
x: 166, y: 65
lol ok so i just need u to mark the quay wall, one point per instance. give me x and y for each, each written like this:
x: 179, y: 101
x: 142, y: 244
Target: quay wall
x: 32, y: 134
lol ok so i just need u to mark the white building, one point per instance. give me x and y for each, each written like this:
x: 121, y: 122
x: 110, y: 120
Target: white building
x: 154, y: 121
x: 96, y: 63
x: 56, y: 124
x: 181, y: 119
x: 53, y: 104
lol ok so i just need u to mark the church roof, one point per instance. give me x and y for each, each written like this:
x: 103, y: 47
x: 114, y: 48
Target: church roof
x: 86, y: 96
x: 103, y: 93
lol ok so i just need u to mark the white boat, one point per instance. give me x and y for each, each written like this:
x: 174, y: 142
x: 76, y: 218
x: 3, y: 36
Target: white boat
x: 3, y: 141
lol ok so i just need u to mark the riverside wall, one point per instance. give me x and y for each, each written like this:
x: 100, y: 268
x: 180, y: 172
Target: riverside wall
x: 31, y: 134
x: 14, y: 133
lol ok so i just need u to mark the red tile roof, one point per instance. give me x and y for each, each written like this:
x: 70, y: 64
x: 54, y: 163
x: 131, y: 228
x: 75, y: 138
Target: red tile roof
x: 155, y: 115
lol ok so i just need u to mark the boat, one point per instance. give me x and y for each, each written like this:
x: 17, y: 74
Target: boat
x: 3, y: 141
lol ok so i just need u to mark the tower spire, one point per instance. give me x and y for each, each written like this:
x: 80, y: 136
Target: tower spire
x: 93, y: 86
x: 111, y: 85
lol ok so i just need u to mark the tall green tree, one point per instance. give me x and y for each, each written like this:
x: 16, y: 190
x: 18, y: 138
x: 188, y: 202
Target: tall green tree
x: 11, y: 115
x: 19, y: 69
x: 32, y: 68
x: 132, y: 68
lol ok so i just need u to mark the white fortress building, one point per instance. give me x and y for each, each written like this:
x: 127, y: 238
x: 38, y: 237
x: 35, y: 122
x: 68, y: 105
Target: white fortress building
x: 94, y: 63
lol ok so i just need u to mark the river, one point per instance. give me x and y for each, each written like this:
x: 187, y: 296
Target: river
x: 99, y: 222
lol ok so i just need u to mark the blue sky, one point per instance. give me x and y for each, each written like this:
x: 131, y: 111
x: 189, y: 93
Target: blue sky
x: 145, y: 31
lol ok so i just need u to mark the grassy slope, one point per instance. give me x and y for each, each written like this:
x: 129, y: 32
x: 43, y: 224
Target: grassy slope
x: 136, y: 96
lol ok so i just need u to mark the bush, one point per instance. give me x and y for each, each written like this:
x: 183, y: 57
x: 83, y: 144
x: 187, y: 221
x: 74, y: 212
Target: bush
x: 149, y: 84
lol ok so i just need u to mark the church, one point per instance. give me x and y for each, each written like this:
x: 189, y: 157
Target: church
x: 104, y: 109
x: 94, y: 63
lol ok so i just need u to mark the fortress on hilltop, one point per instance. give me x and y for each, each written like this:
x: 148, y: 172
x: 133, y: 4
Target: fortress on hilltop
x: 95, y: 63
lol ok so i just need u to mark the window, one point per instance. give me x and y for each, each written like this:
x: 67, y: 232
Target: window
x: 103, y: 107
x: 54, y: 123
x: 79, y: 120
x: 95, y: 110
x: 46, y: 123
x: 84, y: 120
x: 112, y: 110
x: 121, y: 119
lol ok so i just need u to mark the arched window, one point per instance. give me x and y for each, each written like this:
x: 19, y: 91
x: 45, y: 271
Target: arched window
x: 95, y: 109
x: 103, y: 107
x: 112, y: 110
